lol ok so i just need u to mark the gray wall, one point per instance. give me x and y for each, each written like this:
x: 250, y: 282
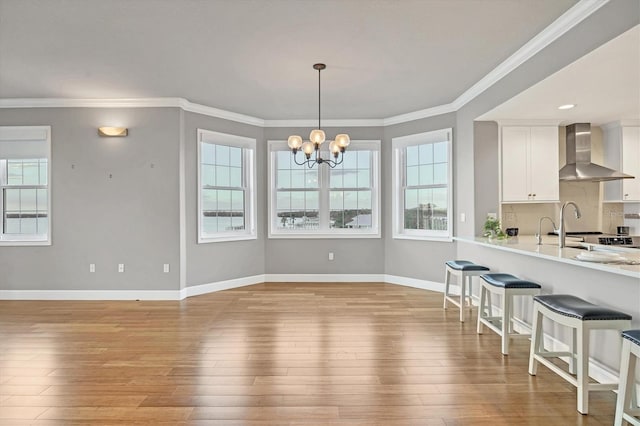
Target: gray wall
x: 212, y: 262
x: 486, y: 168
x: 410, y: 258
x: 310, y: 256
x: 130, y: 218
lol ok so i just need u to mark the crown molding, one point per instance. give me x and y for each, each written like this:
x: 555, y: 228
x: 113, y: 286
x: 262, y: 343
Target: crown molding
x: 417, y: 115
x: 572, y: 17
x: 356, y: 122
x: 566, y: 21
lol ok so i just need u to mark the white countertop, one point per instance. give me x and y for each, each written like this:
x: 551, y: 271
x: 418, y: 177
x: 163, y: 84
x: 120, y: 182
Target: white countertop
x: 526, y: 245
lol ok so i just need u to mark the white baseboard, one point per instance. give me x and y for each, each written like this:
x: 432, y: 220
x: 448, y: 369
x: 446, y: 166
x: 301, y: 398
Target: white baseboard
x: 197, y: 290
x: 415, y: 283
x: 324, y: 278
x: 89, y: 295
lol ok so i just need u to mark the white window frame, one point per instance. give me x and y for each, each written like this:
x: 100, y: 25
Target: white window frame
x: 324, y: 191
x: 248, y: 146
x: 399, y: 146
x: 27, y: 134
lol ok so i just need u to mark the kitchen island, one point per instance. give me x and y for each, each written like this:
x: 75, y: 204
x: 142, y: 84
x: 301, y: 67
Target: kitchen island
x: 559, y: 272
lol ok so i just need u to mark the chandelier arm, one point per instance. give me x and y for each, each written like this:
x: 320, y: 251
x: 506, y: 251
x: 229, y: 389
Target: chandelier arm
x: 295, y: 158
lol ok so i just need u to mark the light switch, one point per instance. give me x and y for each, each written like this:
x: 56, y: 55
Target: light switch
x: 165, y: 268
x: 92, y: 267
x: 120, y: 267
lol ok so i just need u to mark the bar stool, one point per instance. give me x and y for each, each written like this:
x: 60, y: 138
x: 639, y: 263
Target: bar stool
x: 627, y: 405
x: 463, y: 270
x: 582, y: 317
x: 507, y: 286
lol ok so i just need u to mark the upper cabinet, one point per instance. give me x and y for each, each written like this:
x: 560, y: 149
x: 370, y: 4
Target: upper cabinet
x: 529, y: 164
x: 622, y: 152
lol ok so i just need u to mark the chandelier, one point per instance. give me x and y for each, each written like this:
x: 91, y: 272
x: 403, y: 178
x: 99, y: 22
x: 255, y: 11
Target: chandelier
x: 311, y: 148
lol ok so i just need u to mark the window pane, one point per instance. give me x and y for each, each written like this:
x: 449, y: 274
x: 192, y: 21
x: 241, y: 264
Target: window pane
x: 311, y: 201
x: 283, y: 179
x: 440, y: 173
x: 209, y: 223
x: 364, y: 159
x: 12, y: 199
x: 42, y: 224
x: 237, y: 201
x: 335, y: 178
x: 14, y: 169
x: 28, y: 199
x: 350, y: 160
x: 283, y: 201
x: 208, y: 175
x: 235, y: 156
x: 364, y: 178
x: 426, y: 153
x: 412, y: 175
x: 297, y: 201
x: 207, y: 153
x: 222, y: 176
x: 235, y: 177
x: 12, y: 224
x: 350, y: 179
x: 364, y: 201
x: 43, y: 172
x: 28, y: 224
x: 283, y: 159
x: 311, y: 178
x: 297, y: 179
x: 410, y: 208
x: 41, y: 199
x: 224, y: 201
x: 222, y: 155
x: 440, y: 152
x: 238, y: 222
x: 209, y: 199
x: 351, y: 200
x: 412, y: 155
x: 336, y: 201
x: 426, y: 175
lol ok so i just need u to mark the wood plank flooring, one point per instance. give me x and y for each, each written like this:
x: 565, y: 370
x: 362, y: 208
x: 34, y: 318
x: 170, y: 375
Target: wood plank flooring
x: 272, y: 354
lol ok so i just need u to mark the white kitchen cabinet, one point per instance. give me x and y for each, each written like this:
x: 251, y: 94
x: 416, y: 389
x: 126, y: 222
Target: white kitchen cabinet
x: 622, y: 152
x: 529, y: 164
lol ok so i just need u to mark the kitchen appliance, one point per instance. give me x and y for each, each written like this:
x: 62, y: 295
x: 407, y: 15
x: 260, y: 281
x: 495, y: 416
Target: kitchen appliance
x: 613, y: 240
x: 622, y: 230
x: 579, y: 166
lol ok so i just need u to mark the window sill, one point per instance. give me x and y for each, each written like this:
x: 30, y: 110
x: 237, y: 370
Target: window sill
x: 311, y: 236
x: 18, y: 243
x: 226, y: 238
x: 446, y: 239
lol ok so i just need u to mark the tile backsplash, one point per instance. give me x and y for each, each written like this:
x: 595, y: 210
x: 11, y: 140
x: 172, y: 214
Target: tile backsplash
x: 596, y: 216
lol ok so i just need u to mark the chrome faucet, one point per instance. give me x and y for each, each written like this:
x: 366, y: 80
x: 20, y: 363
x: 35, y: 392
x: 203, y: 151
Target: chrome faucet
x: 539, y: 234
x: 563, y: 232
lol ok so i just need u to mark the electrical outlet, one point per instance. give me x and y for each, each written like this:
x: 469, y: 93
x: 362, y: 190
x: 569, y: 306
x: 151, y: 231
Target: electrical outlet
x: 120, y: 267
x: 165, y: 268
x: 92, y: 267
x: 330, y: 255
x: 463, y: 217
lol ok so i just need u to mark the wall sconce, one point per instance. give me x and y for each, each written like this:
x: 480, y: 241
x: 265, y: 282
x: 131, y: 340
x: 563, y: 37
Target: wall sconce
x: 113, y: 131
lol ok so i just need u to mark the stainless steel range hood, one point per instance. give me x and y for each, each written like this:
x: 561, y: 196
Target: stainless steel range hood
x: 579, y: 166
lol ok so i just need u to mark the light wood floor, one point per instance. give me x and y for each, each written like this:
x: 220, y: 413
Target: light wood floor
x: 289, y: 354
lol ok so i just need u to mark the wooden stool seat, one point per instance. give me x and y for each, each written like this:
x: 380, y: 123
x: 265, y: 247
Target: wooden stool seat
x: 627, y: 403
x: 465, y: 271
x: 582, y: 317
x: 507, y: 286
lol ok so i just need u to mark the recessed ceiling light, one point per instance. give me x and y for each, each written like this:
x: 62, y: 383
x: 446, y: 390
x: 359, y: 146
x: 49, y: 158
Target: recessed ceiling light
x: 567, y: 106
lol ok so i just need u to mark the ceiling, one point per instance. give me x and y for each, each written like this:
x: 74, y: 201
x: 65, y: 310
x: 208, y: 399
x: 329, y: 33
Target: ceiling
x: 255, y: 57
x: 604, y: 86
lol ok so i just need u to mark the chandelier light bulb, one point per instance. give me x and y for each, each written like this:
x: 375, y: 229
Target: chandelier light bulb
x: 294, y: 142
x: 317, y: 136
x: 308, y: 148
x: 334, y: 148
x: 343, y: 140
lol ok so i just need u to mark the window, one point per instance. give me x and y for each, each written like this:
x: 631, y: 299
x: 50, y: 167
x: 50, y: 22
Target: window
x: 325, y: 202
x: 25, y: 200
x: 226, y: 187
x: 422, y: 186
